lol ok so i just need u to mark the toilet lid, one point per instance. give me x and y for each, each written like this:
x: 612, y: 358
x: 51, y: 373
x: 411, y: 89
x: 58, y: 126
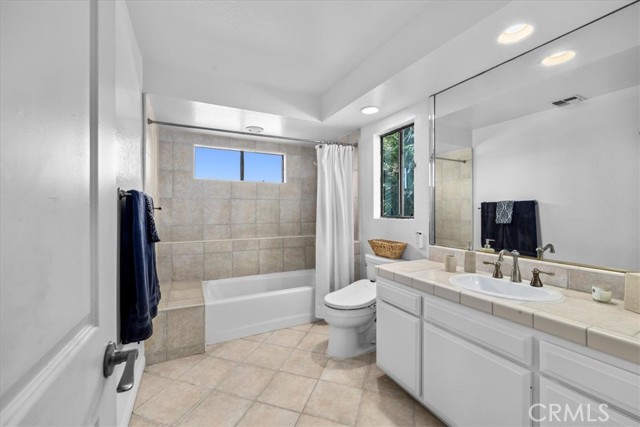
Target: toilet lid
x: 359, y: 294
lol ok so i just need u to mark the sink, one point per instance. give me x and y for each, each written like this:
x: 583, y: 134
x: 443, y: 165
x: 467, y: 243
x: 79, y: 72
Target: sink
x: 503, y: 288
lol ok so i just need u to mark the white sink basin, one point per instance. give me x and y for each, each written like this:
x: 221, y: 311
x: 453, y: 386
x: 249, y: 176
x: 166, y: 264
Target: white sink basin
x: 503, y: 288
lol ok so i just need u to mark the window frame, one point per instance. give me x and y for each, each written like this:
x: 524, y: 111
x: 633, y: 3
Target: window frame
x: 241, y: 151
x: 400, y: 174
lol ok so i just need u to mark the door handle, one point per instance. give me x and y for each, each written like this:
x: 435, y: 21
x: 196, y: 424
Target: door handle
x: 112, y: 357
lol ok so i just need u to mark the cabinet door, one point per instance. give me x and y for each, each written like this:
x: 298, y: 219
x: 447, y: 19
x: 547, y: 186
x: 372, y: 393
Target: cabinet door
x: 559, y: 406
x: 398, y: 346
x: 471, y: 385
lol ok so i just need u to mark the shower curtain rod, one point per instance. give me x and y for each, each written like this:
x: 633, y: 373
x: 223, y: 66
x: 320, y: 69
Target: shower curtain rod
x: 237, y: 132
x: 451, y: 160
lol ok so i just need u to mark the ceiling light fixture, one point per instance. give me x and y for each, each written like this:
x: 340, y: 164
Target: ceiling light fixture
x: 515, y: 33
x: 558, y: 58
x: 254, y: 129
x: 369, y: 110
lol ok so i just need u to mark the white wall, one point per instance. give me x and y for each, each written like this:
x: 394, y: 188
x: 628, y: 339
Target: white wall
x: 128, y: 102
x: 371, y: 225
x: 589, y: 209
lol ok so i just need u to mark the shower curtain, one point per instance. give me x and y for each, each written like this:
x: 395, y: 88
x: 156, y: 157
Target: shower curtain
x: 334, y: 222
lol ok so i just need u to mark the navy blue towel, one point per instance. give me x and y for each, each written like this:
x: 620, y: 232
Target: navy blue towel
x: 521, y: 234
x: 139, y: 286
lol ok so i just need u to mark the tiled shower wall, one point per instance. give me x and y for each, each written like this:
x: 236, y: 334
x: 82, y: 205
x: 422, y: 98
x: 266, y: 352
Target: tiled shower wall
x: 218, y: 229
x: 454, y: 216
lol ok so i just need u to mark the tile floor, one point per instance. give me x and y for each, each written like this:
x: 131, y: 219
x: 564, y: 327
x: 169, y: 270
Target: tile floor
x: 280, y: 379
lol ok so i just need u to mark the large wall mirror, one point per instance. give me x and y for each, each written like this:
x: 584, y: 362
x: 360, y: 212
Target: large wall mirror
x: 561, y: 141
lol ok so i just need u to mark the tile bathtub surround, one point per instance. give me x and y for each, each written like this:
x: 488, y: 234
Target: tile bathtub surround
x: 199, y: 210
x: 226, y: 386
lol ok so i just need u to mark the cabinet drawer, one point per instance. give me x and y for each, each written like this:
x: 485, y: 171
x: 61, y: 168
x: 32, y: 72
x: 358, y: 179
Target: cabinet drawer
x: 481, y: 328
x: 401, y: 298
x: 614, y: 385
x: 573, y: 408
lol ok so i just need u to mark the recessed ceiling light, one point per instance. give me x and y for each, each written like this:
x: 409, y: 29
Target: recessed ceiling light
x: 369, y: 110
x: 254, y: 129
x: 515, y: 33
x: 558, y: 58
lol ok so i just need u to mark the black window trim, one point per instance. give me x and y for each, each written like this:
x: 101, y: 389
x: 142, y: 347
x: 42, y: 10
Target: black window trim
x: 400, y: 177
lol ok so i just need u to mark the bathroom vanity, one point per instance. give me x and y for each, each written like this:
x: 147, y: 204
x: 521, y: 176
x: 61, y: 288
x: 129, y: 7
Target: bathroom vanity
x: 482, y: 361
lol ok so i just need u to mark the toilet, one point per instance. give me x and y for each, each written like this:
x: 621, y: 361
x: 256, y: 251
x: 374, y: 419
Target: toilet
x: 351, y: 314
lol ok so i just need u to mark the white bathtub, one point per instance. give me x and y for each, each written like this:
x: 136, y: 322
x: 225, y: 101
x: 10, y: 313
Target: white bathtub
x: 244, y: 306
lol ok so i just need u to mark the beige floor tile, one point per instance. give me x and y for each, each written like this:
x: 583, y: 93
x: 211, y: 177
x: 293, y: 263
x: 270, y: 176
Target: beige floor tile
x: 218, y: 409
x: 378, y: 409
x: 378, y: 381
x: 261, y: 415
x: 286, y: 337
x: 209, y: 372
x: 258, y: 337
x: 150, y: 385
x: 314, y: 342
x: 175, y: 368
x: 269, y: 356
x: 137, y: 421
x: 304, y: 327
x: 424, y: 418
x: 305, y: 363
x: 310, y: 421
x: 246, y: 381
x: 237, y: 350
x: 170, y: 405
x: 350, y: 372
x: 288, y: 391
x: 321, y: 328
x: 335, y: 402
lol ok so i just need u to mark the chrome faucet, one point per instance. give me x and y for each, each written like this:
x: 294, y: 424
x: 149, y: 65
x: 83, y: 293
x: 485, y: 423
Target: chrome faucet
x: 515, y: 271
x: 540, y: 250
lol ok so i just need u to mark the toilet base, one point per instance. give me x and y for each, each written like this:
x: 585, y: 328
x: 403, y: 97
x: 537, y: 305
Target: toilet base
x: 345, y: 343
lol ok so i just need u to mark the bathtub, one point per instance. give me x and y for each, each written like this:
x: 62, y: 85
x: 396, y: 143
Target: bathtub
x: 244, y: 306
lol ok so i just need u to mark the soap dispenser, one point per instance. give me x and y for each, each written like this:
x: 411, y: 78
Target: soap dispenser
x: 487, y: 246
x: 469, y: 259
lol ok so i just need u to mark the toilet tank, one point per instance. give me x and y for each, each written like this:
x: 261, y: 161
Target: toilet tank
x: 372, y: 261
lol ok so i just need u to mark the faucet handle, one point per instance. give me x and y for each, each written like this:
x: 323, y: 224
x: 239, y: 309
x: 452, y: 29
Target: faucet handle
x: 535, y: 280
x: 497, y: 273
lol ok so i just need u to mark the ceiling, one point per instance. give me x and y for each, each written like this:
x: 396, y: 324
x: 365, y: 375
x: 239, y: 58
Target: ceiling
x: 305, y: 68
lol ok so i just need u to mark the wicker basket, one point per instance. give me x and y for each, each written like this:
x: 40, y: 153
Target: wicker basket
x: 387, y: 248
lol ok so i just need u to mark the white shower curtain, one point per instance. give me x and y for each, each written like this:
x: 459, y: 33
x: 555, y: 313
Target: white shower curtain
x: 334, y: 222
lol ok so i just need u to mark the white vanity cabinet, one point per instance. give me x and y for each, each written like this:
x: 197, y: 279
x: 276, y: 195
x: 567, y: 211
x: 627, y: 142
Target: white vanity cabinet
x: 398, y: 335
x: 474, y: 369
x: 471, y: 385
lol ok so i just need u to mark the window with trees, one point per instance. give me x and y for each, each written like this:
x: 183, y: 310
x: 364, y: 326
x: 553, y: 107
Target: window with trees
x: 397, y: 165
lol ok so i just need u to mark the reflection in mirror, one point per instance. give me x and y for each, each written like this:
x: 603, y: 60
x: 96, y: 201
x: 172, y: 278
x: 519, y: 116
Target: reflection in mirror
x: 565, y: 137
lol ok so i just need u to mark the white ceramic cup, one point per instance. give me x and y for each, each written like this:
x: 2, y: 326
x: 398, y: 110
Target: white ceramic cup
x: 600, y: 294
x: 450, y: 263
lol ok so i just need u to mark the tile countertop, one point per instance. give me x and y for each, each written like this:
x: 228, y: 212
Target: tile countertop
x: 605, y: 327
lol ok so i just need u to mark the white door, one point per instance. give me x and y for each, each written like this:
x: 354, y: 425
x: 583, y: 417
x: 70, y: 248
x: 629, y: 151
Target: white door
x: 472, y: 386
x: 57, y: 212
x: 398, y: 346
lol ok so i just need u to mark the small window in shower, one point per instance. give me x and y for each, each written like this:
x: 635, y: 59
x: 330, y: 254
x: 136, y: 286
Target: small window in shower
x: 237, y: 165
x: 396, y: 173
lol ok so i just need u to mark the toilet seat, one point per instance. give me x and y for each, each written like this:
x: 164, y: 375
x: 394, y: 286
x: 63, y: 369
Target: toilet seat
x: 357, y: 295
